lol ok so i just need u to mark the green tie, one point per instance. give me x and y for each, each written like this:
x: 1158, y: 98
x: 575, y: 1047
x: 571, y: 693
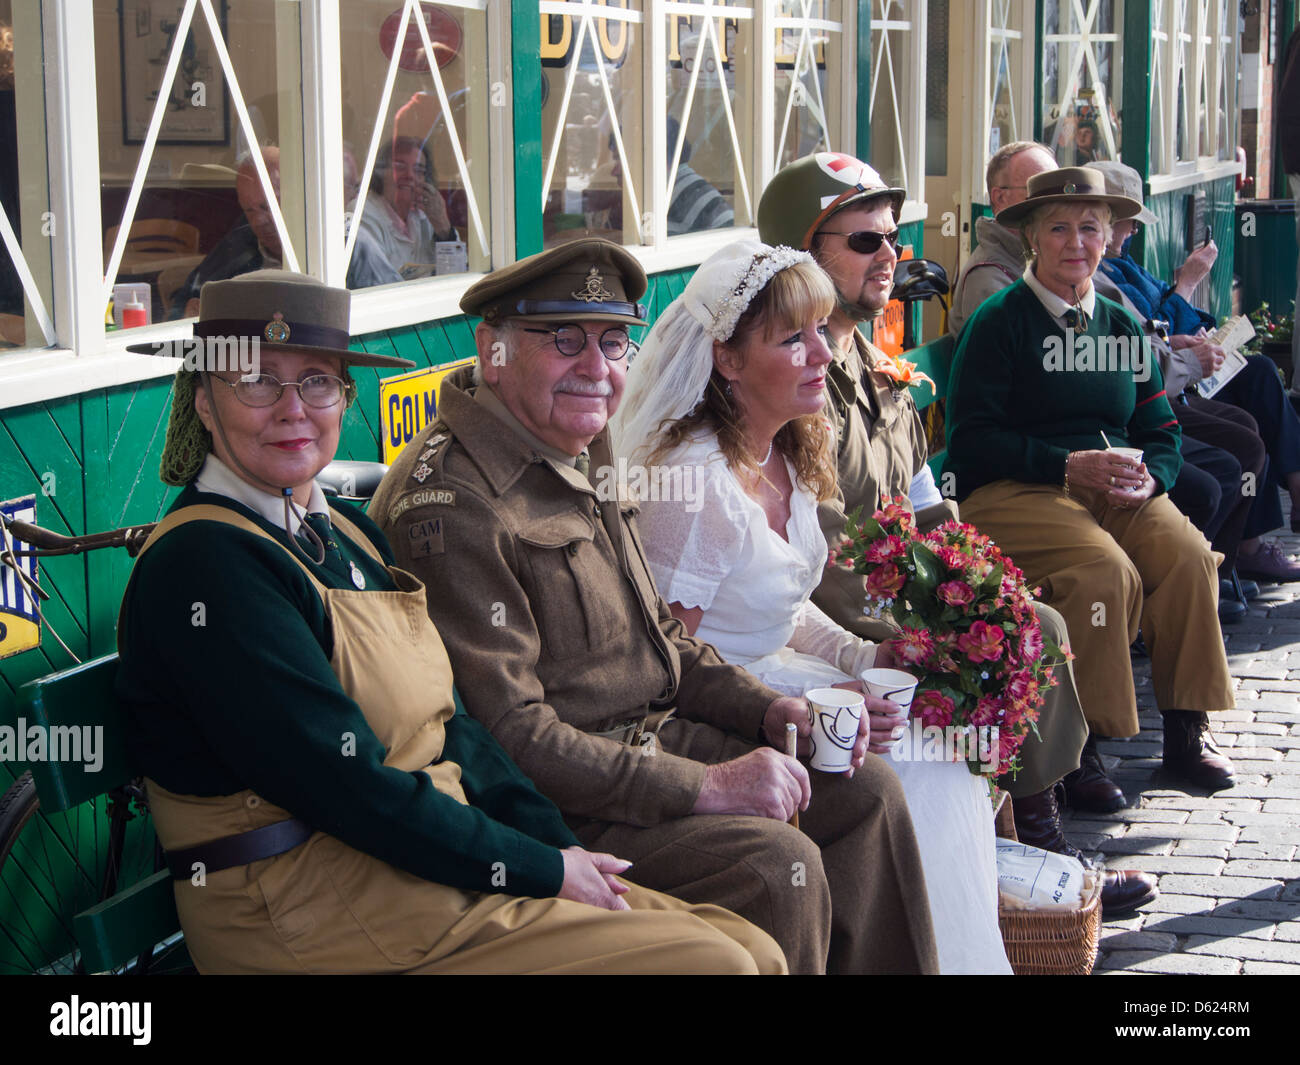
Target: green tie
x: 583, y: 463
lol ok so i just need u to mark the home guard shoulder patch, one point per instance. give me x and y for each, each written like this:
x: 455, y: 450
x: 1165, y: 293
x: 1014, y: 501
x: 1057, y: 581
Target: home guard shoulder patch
x: 422, y: 497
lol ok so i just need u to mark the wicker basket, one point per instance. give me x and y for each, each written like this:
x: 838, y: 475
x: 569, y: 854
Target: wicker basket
x: 1043, y: 942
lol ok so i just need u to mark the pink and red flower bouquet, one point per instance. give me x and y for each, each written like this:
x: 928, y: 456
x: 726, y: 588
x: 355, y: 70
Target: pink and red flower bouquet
x: 966, y: 620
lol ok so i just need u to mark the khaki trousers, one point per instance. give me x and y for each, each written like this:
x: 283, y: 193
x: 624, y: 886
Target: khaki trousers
x: 843, y: 893
x: 1109, y: 572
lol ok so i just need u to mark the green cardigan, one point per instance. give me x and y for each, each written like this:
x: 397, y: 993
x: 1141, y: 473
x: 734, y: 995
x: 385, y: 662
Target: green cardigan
x: 1018, y: 406
x: 248, y: 700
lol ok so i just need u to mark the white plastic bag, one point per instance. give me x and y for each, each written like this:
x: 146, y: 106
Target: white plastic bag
x: 1033, y: 879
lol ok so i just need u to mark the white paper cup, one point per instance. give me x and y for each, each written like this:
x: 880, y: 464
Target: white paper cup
x: 836, y: 714
x: 1134, y: 453
x: 892, y: 684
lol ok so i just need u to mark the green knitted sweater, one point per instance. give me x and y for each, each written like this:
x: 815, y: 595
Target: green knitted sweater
x: 1020, y: 401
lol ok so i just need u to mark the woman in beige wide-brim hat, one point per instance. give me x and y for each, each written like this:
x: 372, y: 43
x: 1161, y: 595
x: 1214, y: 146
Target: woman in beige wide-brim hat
x: 323, y: 805
x: 1048, y: 379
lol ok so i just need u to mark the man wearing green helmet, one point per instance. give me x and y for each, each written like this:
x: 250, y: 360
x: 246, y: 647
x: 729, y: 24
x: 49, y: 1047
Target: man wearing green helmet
x: 842, y: 211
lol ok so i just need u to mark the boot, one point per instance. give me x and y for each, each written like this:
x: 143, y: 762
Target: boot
x: 1088, y: 787
x: 1038, y: 823
x: 1190, y: 752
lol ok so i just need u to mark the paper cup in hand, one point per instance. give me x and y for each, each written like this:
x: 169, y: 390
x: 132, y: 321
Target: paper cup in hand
x: 892, y: 684
x: 836, y: 714
x: 1134, y: 453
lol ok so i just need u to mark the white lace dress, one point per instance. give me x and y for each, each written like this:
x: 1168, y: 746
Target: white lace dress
x: 712, y: 548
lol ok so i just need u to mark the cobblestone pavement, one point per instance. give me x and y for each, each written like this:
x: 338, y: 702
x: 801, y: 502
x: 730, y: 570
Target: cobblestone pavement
x: 1228, y: 865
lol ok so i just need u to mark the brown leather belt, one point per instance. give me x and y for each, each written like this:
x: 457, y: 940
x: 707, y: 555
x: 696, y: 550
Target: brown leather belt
x: 241, y: 849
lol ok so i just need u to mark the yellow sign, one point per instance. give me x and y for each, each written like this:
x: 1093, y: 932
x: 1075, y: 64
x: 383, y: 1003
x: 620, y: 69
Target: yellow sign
x: 408, y: 403
x: 20, y: 625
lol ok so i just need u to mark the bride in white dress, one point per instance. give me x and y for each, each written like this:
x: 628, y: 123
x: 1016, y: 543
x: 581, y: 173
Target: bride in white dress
x: 722, y: 417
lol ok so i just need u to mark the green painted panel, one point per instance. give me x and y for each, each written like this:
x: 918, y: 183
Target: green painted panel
x: 526, y: 89
x: 1164, y: 247
x: 864, y: 50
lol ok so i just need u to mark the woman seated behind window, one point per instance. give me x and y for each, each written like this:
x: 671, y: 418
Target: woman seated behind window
x: 324, y: 805
x: 725, y: 401
x: 405, y: 215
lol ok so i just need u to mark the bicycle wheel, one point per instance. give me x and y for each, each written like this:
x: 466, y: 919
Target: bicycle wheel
x: 54, y: 866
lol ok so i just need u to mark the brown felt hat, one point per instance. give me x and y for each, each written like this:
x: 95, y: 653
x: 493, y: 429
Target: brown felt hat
x: 590, y: 279
x: 292, y: 312
x: 1069, y: 184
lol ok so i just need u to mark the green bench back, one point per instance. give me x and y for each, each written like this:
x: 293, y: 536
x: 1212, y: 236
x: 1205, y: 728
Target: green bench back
x: 933, y: 359
x: 116, y: 931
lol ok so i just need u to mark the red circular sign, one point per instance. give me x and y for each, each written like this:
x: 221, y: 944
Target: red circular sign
x: 444, y: 35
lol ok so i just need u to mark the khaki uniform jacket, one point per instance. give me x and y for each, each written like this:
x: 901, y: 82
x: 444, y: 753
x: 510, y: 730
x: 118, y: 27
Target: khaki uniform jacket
x: 881, y: 448
x: 555, y: 630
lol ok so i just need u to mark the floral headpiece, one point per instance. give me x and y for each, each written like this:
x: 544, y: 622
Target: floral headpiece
x: 720, y: 314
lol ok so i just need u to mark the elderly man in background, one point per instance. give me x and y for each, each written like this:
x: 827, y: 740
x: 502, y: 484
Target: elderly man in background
x: 646, y: 740
x: 999, y: 258
x: 839, y: 209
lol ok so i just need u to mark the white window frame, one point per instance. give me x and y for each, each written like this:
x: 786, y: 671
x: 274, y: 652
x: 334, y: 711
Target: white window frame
x: 1079, y: 44
x: 85, y: 357
x: 994, y: 38
x: 1210, y: 60
x: 909, y: 126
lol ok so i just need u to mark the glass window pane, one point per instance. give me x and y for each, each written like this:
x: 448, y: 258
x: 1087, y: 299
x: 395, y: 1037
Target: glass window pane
x: 592, y: 142
x: 809, y: 46
x: 893, y: 89
x: 425, y: 209
x: 1082, y: 80
x: 24, y: 182
x: 712, y: 112
x: 204, y: 211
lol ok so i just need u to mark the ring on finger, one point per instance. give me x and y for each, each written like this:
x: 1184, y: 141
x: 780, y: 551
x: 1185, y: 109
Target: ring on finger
x: 1112, y: 480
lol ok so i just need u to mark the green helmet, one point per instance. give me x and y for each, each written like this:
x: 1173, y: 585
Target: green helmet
x: 800, y: 198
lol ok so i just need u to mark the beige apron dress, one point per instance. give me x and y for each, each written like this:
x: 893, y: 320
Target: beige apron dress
x: 325, y: 907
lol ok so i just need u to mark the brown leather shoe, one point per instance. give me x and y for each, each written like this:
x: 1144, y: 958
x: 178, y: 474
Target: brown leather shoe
x: 1190, y: 753
x: 1124, y: 890
x: 1038, y: 823
x: 1089, y: 788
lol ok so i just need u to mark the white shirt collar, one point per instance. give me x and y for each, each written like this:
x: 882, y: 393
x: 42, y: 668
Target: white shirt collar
x: 1056, y: 306
x: 219, y: 479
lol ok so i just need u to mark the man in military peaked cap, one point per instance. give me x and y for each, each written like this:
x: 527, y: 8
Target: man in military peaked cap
x: 652, y: 746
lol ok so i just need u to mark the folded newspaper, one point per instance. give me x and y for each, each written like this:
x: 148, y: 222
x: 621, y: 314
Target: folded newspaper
x: 1230, y: 336
x: 1029, y: 878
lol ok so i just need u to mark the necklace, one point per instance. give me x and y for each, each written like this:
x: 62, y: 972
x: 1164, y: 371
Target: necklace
x: 768, y: 457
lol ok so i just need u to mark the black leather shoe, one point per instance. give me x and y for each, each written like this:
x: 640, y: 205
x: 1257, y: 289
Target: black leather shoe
x: 1190, y: 753
x: 1249, y: 590
x: 1124, y: 890
x: 1089, y: 788
x: 1231, y: 610
x: 1038, y: 823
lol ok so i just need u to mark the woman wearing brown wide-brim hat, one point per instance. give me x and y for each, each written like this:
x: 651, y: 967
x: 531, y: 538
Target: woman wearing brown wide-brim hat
x: 323, y: 804
x: 1050, y: 383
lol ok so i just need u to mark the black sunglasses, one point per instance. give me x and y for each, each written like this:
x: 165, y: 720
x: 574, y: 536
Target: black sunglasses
x: 866, y: 241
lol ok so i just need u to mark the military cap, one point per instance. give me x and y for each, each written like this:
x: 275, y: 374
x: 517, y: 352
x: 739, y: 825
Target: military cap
x: 1069, y: 184
x: 292, y: 312
x: 803, y: 195
x: 588, y: 279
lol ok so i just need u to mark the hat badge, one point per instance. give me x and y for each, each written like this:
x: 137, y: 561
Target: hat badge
x: 594, y: 290
x: 277, y: 329
x: 1070, y: 189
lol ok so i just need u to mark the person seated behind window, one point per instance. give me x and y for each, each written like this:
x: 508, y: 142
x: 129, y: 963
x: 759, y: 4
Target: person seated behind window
x: 405, y: 214
x: 254, y: 244
x: 696, y: 204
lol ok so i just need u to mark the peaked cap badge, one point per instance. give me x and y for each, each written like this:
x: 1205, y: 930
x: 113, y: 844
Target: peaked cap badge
x: 277, y: 329
x: 594, y: 290
x: 1071, y: 189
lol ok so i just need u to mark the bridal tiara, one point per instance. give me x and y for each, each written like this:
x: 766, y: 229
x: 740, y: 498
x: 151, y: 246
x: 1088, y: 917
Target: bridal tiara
x: 762, y: 267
